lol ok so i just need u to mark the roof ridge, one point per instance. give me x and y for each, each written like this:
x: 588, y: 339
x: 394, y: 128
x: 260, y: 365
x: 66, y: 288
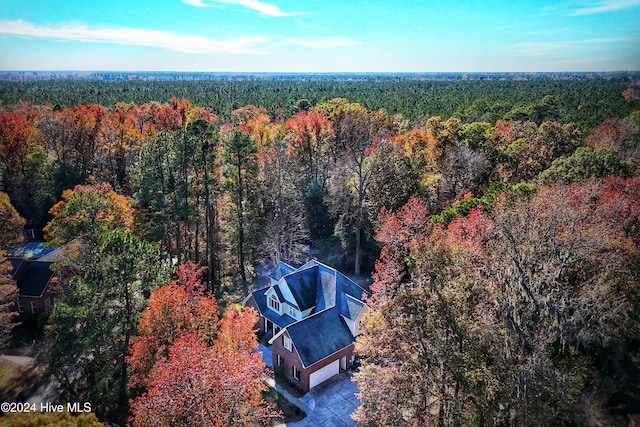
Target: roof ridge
x: 299, y: 321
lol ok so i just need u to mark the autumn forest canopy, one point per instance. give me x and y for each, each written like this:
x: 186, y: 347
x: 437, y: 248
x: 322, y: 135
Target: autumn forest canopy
x: 499, y: 220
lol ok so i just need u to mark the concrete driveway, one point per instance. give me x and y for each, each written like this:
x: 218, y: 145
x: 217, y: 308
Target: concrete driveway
x: 329, y: 404
x: 335, y: 401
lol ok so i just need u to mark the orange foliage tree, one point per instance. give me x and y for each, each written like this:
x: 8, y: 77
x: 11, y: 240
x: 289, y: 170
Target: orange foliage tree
x: 10, y: 224
x: 178, y: 307
x: 196, y: 368
x: 311, y: 136
x: 88, y: 212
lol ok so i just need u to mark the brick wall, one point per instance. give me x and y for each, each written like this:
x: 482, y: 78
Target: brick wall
x: 291, y: 358
x: 39, y: 305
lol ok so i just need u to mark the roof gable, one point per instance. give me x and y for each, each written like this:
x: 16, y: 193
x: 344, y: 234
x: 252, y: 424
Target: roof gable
x: 319, y: 336
x: 350, y: 307
x: 260, y: 298
x: 33, y: 278
x: 281, y: 269
x: 303, y: 284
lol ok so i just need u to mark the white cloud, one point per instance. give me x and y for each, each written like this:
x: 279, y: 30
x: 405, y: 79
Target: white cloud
x: 257, y: 5
x: 606, y: 6
x: 198, y: 3
x: 323, y: 42
x: 549, y: 48
x: 136, y: 37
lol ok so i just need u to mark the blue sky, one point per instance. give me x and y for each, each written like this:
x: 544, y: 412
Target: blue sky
x: 320, y: 35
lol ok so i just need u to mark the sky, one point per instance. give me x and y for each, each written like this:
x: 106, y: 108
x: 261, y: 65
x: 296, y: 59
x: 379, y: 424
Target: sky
x: 320, y: 35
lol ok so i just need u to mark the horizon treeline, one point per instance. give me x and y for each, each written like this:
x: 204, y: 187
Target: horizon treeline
x: 585, y: 100
x: 502, y: 234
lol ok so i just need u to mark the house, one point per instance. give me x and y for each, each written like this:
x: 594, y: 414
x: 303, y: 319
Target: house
x: 30, y: 268
x: 311, y: 316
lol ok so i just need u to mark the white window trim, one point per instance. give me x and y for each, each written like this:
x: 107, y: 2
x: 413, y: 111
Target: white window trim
x: 20, y: 306
x: 273, y: 301
x: 292, y: 312
x: 294, y: 371
x: 286, y: 341
x: 33, y: 307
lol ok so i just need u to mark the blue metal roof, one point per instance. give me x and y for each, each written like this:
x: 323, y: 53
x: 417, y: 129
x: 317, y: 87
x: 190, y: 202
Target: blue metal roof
x: 32, y: 250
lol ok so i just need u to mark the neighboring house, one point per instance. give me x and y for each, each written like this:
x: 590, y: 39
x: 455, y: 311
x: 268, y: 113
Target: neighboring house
x: 31, y: 270
x: 311, y: 317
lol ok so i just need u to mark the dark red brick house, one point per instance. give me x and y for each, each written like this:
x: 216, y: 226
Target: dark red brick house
x: 31, y: 271
x: 311, y: 316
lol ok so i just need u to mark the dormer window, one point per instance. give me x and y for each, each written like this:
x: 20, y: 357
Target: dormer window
x: 274, y: 303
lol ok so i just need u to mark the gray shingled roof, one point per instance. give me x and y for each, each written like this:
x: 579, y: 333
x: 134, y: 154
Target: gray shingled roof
x: 331, y: 293
x: 281, y: 269
x: 33, y: 278
x: 303, y: 286
x: 261, y: 300
x: 320, y: 335
x: 15, y: 264
x: 350, y: 307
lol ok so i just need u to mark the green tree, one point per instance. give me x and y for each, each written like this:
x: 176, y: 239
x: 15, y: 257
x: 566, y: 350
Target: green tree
x: 91, y: 329
x: 240, y: 169
x: 586, y: 163
x: 208, y: 189
x: 179, y: 187
x: 393, y: 180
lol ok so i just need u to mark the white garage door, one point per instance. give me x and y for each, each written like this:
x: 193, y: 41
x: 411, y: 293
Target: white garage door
x: 324, y: 374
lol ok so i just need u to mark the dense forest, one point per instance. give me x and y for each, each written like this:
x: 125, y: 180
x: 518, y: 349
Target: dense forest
x: 499, y: 220
x: 585, y: 99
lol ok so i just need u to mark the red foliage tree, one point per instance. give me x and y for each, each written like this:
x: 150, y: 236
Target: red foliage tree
x: 311, y: 133
x: 174, y: 309
x: 529, y: 306
x: 208, y: 386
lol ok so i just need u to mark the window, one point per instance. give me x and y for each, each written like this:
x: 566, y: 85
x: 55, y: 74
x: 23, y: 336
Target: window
x: 279, y: 360
x: 287, y: 343
x: 20, y: 307
x: 274, y: 303
x: 292, y: 312
x: 296, y: 373
x: 33, y: 307
x: 47, y: 302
